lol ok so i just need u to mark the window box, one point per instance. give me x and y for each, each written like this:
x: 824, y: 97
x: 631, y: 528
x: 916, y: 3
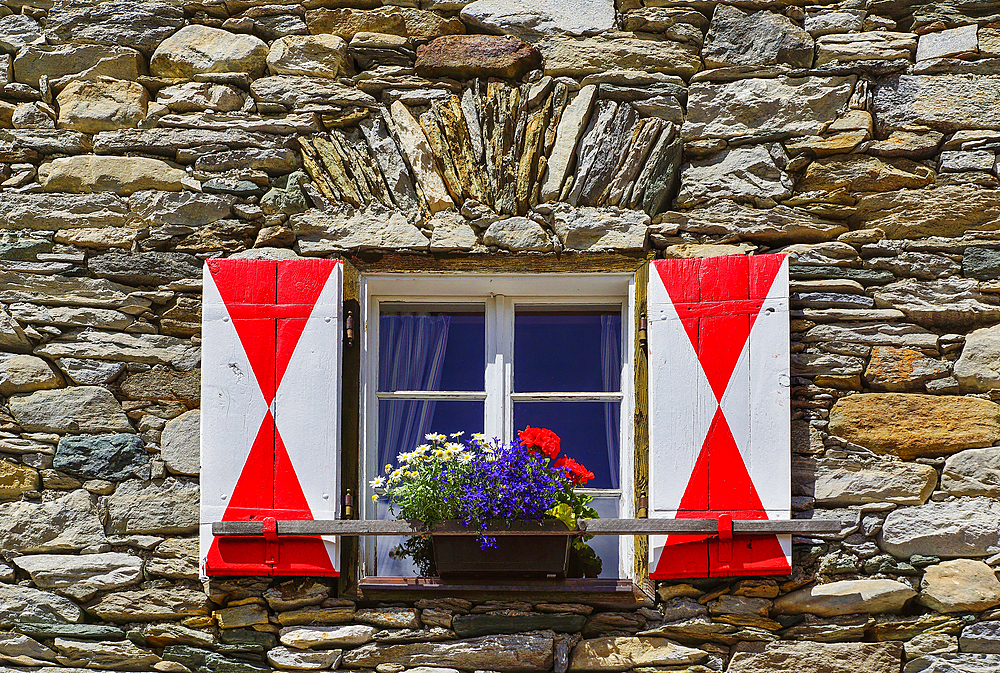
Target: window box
x: 515, y: 556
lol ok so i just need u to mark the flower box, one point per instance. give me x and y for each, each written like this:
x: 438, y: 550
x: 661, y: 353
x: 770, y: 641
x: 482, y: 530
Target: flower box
x: 537, y: 556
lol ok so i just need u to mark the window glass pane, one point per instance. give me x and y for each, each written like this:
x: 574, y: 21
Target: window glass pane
x: 588, y: 432
x: 425, y: 349
x: 402, y: 424
x: 567, y: 351
x: 606, y: 546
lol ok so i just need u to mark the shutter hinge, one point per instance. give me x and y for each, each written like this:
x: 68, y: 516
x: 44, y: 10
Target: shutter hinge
x: 642, y: 506
x: 349, y: 329
x: 349, y: 504
x: 642, y: 331
x: 270, y: 540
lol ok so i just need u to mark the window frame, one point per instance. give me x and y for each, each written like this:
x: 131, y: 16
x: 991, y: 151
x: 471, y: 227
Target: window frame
x: 505, y: 291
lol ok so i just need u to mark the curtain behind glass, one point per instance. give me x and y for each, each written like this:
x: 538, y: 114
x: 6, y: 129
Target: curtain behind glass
x: 611, y: 363
x: 411, y: 355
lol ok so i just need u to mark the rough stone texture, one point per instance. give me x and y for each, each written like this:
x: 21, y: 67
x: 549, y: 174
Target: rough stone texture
x: 84, y: 61
x: 743, y: 174
x: 64, y: 524
x: 954, y: 663
x: 200, y: 49
x: 150, y: 349
x: 577, y: 57
x: 764, y: 108
x: 79, y: 409
x: 860, y: 173
x: 23, y: 604
x: 140, y: 25
x: 973, y: 472
x: 518, y: 234
x: 25, y: 374
x: 82, y: 577
x: 597, y: 230
x: 148, y: 605
x: 322, y: 233
x: 820, y: 658
x: 465, y: 56
x: 170, y: 507
x: 529, y: 19
x: 945, y: 103
x: 901, y: 369
x: 116, y: 457
x: 758, y: 39
x: 981, y: 637
x: 871, y: 46
x: 947, y: 43
x: 978, y: 368
x: 102, y: 104
x: 121, y: 175
x: 846, y: 597
x: 282, y: 657
x: 841, y: 483
x: 954, y: 528
x: 625, y: 653
x: 313, y: 55
x: 948, y: 210
x: 180, y: 443
x: 962, y: 585
x: 908, y: 425
x: 303, y: 637
x: 499, y: 653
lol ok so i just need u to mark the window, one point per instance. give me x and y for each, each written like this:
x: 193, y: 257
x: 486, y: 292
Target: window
x: 494, y: 354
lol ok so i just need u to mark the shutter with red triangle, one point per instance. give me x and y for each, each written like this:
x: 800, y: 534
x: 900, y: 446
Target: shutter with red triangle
x: 270, y: 416
x: 719, y: 437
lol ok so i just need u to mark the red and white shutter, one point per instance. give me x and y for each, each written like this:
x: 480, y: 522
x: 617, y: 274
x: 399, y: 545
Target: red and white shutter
x: 719, y: 437
x: 270, y: 415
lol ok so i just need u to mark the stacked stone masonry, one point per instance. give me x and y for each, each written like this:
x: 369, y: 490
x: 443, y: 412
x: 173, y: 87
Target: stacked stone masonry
x: 140, y: 137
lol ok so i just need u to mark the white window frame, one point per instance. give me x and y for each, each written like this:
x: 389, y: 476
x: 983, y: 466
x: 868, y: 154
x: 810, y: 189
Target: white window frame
x: 500, y: 293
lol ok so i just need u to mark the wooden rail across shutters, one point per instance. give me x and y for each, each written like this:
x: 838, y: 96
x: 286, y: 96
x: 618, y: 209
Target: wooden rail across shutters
x: 270, y: 428
x: 719, y: 443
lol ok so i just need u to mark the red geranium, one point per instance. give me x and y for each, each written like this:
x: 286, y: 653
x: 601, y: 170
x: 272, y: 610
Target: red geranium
x: 576, y: 472
x: 540, y: 440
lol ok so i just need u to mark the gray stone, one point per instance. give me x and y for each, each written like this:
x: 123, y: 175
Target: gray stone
x: 846, y: 597
x: 806, y: 657
x: 176, y: 558
x: 943, y: 102
x: 20, y: 649
x: 147, y: 605
x: 65, y: 524
x: 67, y: 630
x: 758, y: 39
x: 581, y: 56
x: 112, y: 457
x: 740, y: 173
x: 140, y: 25
x: 518, y: 234
x: 947, y: 43
x: 145, y: 268
x: 962, y: 585
x: 297, y: 90
x: 160, y: 635
x: 395, y: 172
x: 978, y: 368
x: 701, y: 629
x: 941, y: 211
x: 117, y: 655
x: 25, y: 374
x: 930, y: 642
x: 271, y: 161
x: 81, y: 576
x: 167, y: 141
x: 951, y: 302
x: 869, y: 46
x: 981, y: 637
x: 188, y: 209
x: 320, y: 233
x: 624, y: 653
x: 121, y: 175
x: 70, y: 316
x: 953, y: 161
x: 83, y: 61
x: 599, y: 229
x: 973, y: 472
x: 23, y: 604
x: 18, y: 30
x: 304, y: 637
x: 826, y: 20
x: 79, y: 409
x: 199, y: 49
x: 450, y: 231
x: 44, y: 141
x: 570, y: 129
x: 180, y: 443
x: 920, y: 265
x: 839, y: 482
x: 765, y: 108
x: 960, y: 527
x: 526, y: 19
x: 200, y: 96
x: 61, y: 211
x: 144, y: 348
x: 681, y: 24
x: 497, y: 653
x: 311, y: 55
x: 981, y: 263
x: 303, y: 660
x: 954, y: 663
x: 138, y: 507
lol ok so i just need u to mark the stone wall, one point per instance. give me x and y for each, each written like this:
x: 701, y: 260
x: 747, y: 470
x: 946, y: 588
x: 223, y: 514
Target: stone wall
x: 139, y: 137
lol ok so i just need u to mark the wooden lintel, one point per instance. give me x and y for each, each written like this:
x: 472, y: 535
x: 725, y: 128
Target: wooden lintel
x: 350, y: 528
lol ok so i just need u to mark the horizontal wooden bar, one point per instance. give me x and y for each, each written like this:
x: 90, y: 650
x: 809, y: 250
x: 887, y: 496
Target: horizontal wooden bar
x: 351, y: 527
x: 472, y: 395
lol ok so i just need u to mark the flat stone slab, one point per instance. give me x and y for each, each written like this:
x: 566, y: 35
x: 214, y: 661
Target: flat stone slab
x: 846, y: 597
x: 624, y: 653
x: 962, y: 585
x: 77, y: 409
x: 954, y: 663
x: 65, y: 524
x: 81, y: 576
x: 941, y: 102
x: 498, y: 653
x: 529, y: 18
x: 806, y: 657
x: 954, y: 528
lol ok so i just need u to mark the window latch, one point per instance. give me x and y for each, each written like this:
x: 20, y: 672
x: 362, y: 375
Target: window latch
x: 349, y: 329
